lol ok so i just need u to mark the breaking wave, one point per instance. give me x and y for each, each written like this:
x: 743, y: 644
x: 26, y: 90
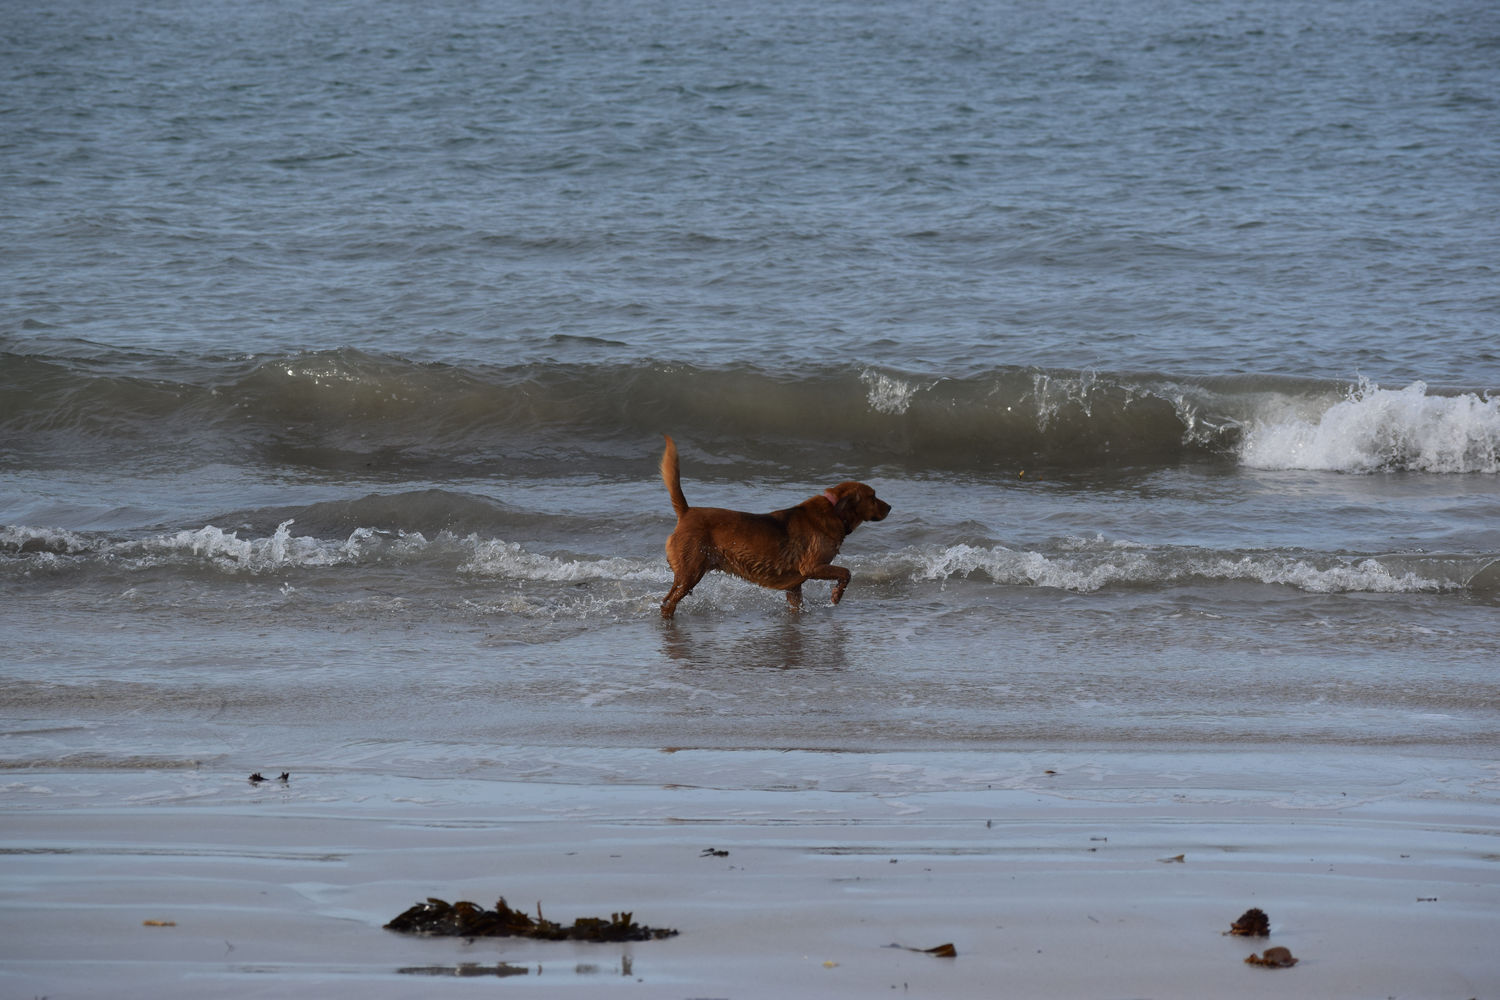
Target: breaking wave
x: 1373, y: 429
x: 1094, y: 567
x: 1078, y: 565
x: 348, y: 409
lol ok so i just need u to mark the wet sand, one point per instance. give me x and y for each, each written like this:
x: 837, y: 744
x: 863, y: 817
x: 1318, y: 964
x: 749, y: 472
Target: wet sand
x: 281, y: 889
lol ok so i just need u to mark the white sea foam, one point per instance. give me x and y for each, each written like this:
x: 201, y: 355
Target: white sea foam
x: 1082, y: 564
x: 510, y: 560
x: 1373, y: 429
x: 47, y: 543
x: 1111, y: 564
x: 227, y: 551
x: 887, y: 394
x: 1368, y: 575
x: 1015, y: 567
x: 211, y: 546
x: 1053, y: 392
x: 281, y: 550
x: 484, y: 556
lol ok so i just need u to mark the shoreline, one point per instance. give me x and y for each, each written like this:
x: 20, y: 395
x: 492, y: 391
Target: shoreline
x: 284, y: 891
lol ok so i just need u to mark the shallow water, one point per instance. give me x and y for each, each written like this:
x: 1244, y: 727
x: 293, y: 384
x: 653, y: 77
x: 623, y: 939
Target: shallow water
x: 336, y: 344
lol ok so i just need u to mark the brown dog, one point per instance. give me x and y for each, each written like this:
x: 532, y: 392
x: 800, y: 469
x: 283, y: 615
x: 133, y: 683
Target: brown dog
x: 779, y: 550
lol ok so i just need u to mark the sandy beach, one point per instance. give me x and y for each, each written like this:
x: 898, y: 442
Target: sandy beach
x: 198, y: 883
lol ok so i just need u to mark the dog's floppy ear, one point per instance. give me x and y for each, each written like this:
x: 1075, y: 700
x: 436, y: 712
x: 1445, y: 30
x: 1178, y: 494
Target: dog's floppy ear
x: 844, y: 498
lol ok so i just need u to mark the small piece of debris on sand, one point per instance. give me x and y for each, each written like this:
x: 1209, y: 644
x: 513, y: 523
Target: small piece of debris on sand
x: 941, y: 951
x: 1273, y: 958
x: 438, y: 918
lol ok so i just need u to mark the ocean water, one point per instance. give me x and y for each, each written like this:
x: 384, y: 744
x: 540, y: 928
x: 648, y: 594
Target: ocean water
x: 337, y: 343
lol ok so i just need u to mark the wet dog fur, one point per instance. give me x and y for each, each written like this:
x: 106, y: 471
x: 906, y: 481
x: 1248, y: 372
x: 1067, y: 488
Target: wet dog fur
x: 780, y: 550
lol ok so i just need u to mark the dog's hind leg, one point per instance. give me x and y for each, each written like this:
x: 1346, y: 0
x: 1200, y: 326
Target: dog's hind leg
x: 682, y: 585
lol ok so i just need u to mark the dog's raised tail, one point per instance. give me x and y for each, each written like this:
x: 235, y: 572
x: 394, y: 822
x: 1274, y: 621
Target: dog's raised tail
x: 671, y: 475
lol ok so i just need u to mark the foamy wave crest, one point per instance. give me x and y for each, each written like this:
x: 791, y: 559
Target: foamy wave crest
x: 225, y: 551
x: 45, y: 542
x: 208, y: 546
x: 511, y: 561
x: 1102, y: 564
x: 281, y: 550
x: 1012, y: 567
x: 1374, y: 430
x: 886, y: 393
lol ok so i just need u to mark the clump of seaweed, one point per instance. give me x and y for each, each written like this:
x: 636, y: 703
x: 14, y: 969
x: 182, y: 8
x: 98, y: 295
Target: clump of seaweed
x: 1274, y: 958
x: 439, y: 918
x: 1252, y: 923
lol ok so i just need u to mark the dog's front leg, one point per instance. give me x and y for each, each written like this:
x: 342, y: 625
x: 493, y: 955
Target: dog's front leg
x: 838, y: 574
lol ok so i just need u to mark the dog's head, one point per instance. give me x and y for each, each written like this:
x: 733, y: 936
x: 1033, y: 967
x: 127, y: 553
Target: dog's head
x: 857, y: 503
